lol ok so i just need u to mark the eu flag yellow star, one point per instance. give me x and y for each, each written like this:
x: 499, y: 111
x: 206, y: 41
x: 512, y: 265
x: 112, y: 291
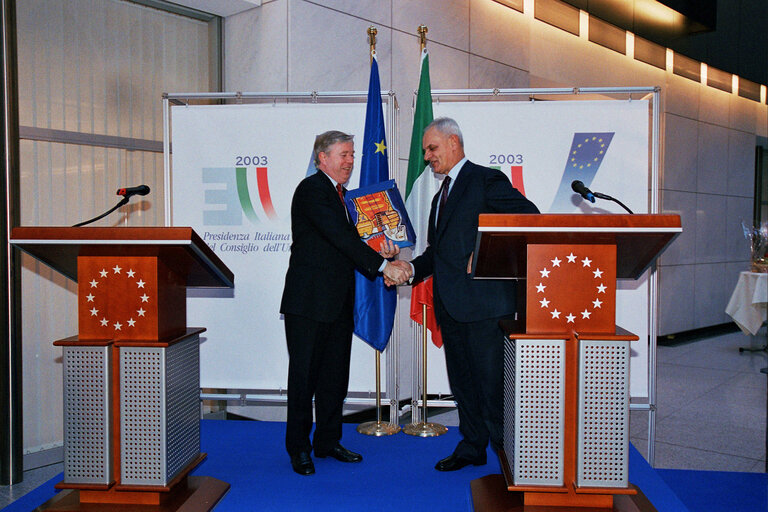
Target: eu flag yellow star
x: 380, y: 147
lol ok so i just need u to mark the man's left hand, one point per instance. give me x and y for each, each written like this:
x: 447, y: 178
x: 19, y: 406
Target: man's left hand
x: 389, y: 249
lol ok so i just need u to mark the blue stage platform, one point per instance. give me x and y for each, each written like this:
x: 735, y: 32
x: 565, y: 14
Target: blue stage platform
x: 398, y: 473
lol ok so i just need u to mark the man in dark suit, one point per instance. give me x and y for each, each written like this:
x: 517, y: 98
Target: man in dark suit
x: 467, y: 310
x: 318, y: 302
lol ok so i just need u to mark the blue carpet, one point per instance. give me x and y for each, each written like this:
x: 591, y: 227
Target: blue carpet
x: 36, y: 497
x: 397, y: 473
x: 715, y: 491
x: 652, y: 485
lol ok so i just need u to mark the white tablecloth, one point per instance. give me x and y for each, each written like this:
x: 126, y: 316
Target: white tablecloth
x: 749, y: 302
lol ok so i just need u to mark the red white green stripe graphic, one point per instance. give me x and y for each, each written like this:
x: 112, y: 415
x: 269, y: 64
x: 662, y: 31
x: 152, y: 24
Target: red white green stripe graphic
x: 245, y: 196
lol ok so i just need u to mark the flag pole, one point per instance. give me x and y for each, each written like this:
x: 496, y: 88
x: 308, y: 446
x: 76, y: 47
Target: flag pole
x: 377, y: 428
x: 424, y: 428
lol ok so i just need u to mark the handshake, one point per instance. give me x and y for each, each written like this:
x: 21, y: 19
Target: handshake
x: 395, y: 272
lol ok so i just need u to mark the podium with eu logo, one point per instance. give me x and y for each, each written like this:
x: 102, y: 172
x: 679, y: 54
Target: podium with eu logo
x: 566, y: 362
x: 131, y: 377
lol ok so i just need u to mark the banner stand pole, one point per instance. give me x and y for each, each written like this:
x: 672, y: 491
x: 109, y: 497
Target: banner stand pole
x: 378, y: 428
x: 424, y: 428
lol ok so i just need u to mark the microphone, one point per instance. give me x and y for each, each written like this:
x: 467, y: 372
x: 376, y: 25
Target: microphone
x: 587, y: 194
x: 579, y: 187
x: 141, y: 190
x: 127, y: 192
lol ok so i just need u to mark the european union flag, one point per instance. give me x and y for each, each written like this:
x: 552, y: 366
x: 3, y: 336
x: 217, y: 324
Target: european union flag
x: 374, y: 302
x: 584, y: 159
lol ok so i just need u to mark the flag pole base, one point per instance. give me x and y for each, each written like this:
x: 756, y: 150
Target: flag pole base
x: 425, y: 429
x: 378, y: 428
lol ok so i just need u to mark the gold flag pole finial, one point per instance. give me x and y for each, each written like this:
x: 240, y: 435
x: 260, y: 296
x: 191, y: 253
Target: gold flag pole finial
x: 372, y: 31
x: 422, y: 31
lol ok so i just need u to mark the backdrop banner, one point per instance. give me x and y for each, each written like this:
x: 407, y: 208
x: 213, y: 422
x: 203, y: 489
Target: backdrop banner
x: 235, y: 168
x: 542, y: 146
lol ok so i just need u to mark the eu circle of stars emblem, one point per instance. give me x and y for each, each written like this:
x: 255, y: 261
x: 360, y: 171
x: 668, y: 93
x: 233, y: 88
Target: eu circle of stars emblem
x: 571, y: 288
x: 117, y: 298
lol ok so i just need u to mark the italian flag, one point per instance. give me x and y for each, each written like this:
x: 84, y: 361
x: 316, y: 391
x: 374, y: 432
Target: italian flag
x: 421, y: 186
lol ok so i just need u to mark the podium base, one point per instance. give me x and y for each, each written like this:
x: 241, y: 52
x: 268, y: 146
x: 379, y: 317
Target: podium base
x: 425, y: 429
x: 378, y: 428
x: 490, y: 494
x: 201, y: 494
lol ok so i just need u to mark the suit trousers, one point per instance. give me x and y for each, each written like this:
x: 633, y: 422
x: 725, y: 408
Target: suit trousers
x: 319, y: 354
x: 474, y: 359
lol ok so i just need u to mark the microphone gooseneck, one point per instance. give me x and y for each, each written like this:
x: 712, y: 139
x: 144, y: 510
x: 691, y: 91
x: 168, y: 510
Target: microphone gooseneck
x: 579, y: 187
x: 126, y: 192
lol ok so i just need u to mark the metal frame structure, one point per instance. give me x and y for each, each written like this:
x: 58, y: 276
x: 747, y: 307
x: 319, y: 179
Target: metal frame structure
x: 278, y: 396
x: 11, y: 410
x: 538, y: 94
x: 244, y: 397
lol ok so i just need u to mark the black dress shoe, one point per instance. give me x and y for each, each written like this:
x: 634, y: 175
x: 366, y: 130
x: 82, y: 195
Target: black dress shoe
x: 341, y: 454
x: 302, y: 463
x: 454, y: 462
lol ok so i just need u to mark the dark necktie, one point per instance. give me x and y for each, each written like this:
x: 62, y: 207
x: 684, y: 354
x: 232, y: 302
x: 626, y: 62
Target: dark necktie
x: 443, y: 196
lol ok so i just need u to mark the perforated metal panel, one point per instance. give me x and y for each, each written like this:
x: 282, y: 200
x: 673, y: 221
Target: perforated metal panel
x: 603, y: 440
x: 142, y: 415
x: 537, y: 382
x: 183, y: 405
x: 159, y: 411
x: 509, y: 403
x: 87, y: 436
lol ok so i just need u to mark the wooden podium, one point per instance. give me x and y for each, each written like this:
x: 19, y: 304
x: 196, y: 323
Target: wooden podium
x: 566, y: 363
x: 131, y: 375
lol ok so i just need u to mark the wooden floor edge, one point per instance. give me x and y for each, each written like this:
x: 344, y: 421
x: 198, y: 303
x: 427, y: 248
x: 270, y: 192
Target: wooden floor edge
x: 490, y: 494
x: 205, y: 493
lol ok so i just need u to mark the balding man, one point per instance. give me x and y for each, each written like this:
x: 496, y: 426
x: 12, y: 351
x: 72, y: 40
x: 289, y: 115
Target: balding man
x: 467, y: 310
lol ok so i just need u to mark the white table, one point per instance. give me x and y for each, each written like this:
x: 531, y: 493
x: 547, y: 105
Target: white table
x: 748, y: 307
x: 749, y: 302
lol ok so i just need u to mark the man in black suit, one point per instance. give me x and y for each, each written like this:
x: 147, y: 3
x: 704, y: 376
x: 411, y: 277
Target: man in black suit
x: 318, y: 302
x: 467, y: 310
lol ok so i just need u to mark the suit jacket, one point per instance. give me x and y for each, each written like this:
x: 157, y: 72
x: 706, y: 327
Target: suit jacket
x: 476, y: 190
x: 325, y: 251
